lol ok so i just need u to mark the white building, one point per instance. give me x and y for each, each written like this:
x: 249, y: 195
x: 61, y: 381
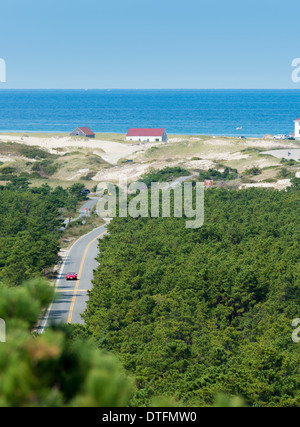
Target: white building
x: 297, y: 128
x: 149, y: 135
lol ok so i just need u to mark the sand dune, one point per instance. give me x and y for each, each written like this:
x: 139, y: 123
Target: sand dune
x: 112, y: 151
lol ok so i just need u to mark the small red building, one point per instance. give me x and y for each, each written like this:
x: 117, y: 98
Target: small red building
x: 83, y: 131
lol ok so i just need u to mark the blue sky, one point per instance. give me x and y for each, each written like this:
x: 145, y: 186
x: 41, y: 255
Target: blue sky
x: 149, y: 43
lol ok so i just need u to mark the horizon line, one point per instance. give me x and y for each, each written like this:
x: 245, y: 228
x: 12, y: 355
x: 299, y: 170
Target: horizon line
x: 108, y: 89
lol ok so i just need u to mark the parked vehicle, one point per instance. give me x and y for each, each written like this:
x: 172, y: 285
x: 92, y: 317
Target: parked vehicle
x: 280, y: 137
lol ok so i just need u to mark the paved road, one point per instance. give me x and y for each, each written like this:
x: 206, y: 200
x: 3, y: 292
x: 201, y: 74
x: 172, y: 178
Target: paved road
x: 71, y: 296
x: 291, y: 153
x: 86, y: 208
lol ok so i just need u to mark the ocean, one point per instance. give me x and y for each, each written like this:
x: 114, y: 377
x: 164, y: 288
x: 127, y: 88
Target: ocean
x: 193, y: 112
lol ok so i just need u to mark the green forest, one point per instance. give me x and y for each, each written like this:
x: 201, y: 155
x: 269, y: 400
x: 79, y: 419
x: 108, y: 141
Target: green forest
x: 176, y: 316
x: 56, y: 368
x: 29, y: 232
x: 191, y: 313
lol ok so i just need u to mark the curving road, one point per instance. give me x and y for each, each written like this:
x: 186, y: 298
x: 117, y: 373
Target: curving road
x: 71, y: 296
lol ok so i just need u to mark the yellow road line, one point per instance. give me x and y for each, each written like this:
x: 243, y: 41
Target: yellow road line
x: 79, y: 275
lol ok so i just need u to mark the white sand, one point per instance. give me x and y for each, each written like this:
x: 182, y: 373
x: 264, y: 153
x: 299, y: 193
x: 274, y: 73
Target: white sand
x: 281, y: 184
x: 78, y: 174
x: 112, y: 151
x: 5, y: 159
x: 199, y: 164
x: 131, y: 171
x: 113, y: 174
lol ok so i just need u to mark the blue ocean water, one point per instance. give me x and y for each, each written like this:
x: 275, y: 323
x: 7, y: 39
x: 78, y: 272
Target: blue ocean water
x: 206, y: 112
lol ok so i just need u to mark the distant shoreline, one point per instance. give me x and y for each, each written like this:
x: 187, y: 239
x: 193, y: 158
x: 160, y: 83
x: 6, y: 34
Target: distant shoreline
x: 152, y: 89
x: 65, y: 134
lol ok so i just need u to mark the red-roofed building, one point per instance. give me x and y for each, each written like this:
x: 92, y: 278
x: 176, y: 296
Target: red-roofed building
x: 297, y: 129
x: 147, y: 134
x: 83, y: 131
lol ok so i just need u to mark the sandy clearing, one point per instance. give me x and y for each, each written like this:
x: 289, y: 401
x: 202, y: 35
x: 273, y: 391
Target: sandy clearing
x: 78, y: 174
x: 224, y: 156
x: 112, y: 151
x: 243, y: 143
x: 218, y: 150
x: 199, y: 164
x: 265, y: 143
x: 13, y: 158
x: 281, y: 184
x: 131, y: 171
x: 113, y: 174
x: 5, y: 159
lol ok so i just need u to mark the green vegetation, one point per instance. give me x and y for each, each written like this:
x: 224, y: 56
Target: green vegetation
x: 227, y: 175
x: 288, y: 162
x: 253, y: 171
x: 295, y: 181
x: 163, y: 175
x: 52, y: 369
x: 62, y: 367
x: 195, y: 313
x: 196, y: 317
x: 285, y: 173
x: 29, y: 233
x: 79, y: 228
x: 7, y: 172
x: 56, y: 368
x: 38, y: 164
x: 31, y: 152
x: 45, y: 168
x: 44, y: 163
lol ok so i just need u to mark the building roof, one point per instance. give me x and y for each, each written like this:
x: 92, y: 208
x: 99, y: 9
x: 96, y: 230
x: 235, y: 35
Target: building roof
x: 297, y: 120
x: 86, y: 130
x: 145, y: 132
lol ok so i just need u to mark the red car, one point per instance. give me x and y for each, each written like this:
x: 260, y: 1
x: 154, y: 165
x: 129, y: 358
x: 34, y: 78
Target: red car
x: 71, y: 276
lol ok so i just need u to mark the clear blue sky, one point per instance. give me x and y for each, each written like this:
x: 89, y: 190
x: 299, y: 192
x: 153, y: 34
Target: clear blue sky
x: 149, y: 43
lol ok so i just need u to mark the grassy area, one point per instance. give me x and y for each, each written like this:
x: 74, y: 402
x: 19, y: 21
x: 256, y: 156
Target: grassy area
x: 117, y: 137
x: 30, y: 152
x: 65, y: 165
x: 58, y: 169
x: 77, y: 229
x: 36, y: 134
